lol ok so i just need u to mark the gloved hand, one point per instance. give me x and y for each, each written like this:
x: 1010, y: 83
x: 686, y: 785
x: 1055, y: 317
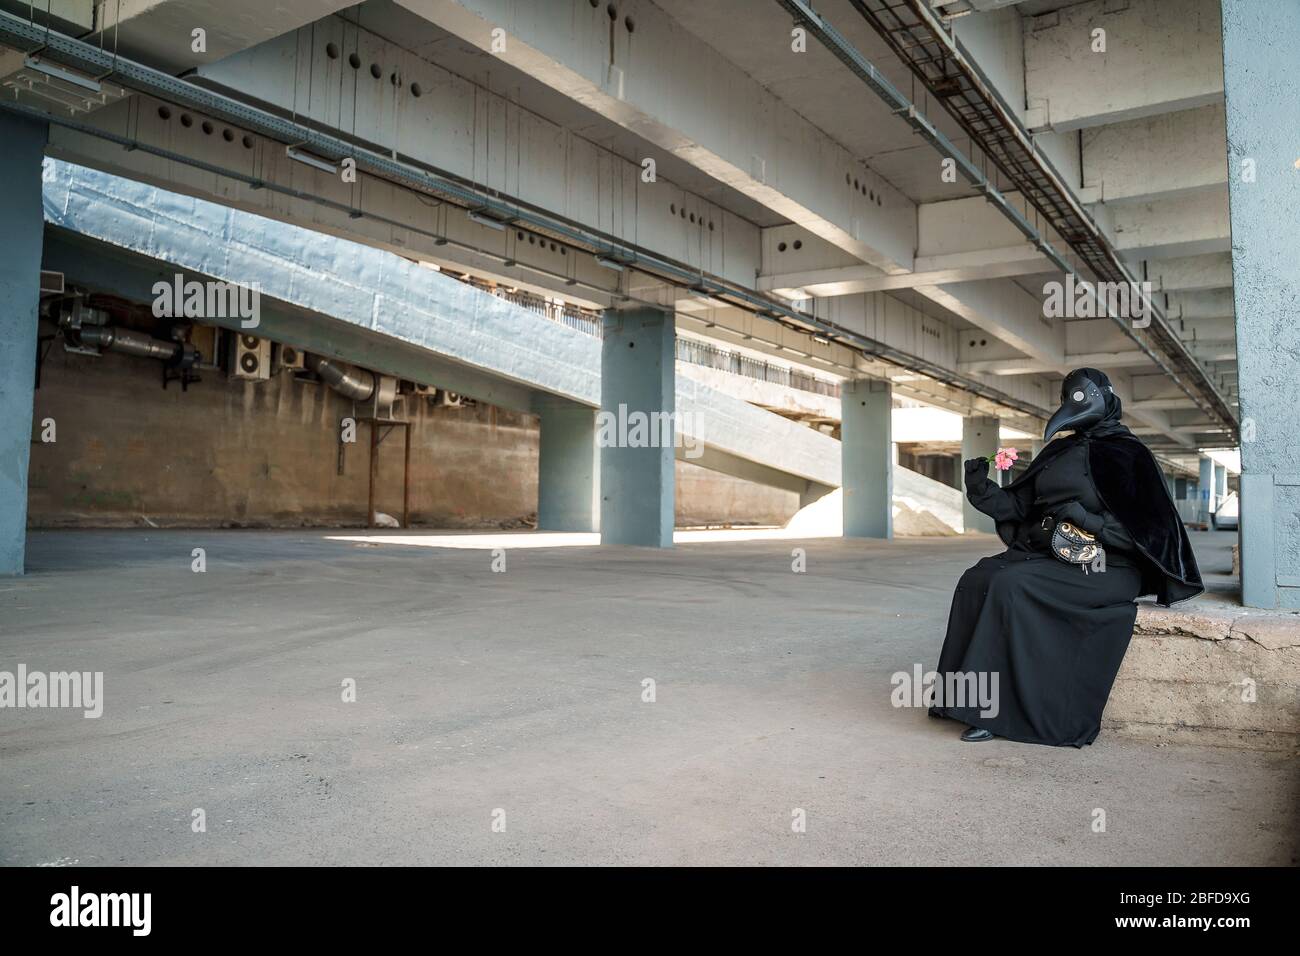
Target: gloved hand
x: 1077, y: 515
x: 977, y: 472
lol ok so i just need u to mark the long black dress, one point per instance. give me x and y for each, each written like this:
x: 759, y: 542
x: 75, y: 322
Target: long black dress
x: 1053, y: 633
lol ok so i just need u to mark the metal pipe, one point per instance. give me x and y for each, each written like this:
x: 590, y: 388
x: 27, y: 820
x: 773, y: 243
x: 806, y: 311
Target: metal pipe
x: 116, y: 339
x: 356, y: 384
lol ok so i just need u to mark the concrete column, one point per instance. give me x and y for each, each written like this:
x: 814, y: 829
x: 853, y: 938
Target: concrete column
x: 867, y: 459
x: 1205, y: 489
x: 21, y: 231
x: 979, y: 438
x: 635, y: 428
x: 1260, y: 38
x: 568, y: 467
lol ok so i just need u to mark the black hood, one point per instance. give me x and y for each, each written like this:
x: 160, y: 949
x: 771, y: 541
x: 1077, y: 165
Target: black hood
x: 1089, y: 406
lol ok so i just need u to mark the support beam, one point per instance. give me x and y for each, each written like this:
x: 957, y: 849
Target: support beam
x: 1156, y: 157
x: 161, y: 32
x: 1102, y: 360
x: 1004, y: 262
x: 979, y: 439
x: 568, y: 467
x: 21, y: 227
x: 1160, y: 56
x: 867, y: 459
x: 636, y: 428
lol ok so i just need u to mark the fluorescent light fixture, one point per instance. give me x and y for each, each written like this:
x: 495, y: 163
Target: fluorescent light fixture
x: 308, y: 159
x: 821, y: 339
x: 609, y: 263
x: 60, y: 73
x: 485, y: 220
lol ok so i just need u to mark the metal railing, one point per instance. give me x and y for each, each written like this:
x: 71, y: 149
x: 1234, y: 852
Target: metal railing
x: 710, y: 356
x: 688, y: 350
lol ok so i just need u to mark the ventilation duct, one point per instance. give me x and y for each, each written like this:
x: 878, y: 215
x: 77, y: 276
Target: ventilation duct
x: 353, y: 383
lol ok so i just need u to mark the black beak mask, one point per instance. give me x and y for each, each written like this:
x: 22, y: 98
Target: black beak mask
x: 1084, y: 403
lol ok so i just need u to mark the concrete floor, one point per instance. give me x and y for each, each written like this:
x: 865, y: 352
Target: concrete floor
x: 522, y: 691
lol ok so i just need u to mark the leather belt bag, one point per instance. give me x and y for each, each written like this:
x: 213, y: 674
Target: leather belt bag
x: 1074, y: 545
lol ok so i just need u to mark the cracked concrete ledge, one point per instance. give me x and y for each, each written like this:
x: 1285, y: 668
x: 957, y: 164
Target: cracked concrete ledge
x: 1211, y: 672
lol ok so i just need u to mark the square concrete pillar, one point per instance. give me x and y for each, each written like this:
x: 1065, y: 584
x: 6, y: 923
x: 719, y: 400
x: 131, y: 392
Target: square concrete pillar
x: 867, y: 459
x: 979, y: 439
x: 1205, y: 489
x: 636, y: 428
x: 568, y: 467
x: 1260, y: 38
x: 22, y: 227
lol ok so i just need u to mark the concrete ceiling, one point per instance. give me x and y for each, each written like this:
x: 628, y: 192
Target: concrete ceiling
x: 755, y: 35
x: 414, y: 33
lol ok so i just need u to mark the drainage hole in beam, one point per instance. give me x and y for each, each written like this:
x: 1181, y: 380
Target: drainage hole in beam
x: 332, y: 50
x: 630, y: 24
x: 417, y: 90
x: 187, y: 120
x: 207, y: 128
x: 375, y: 71
x: 798, y: 244
x: 248, y: 142
x: 228, y: 135
x: 780, y: 247
x: 354, y: 61
x: 612, y: 11
x: 164, y: 113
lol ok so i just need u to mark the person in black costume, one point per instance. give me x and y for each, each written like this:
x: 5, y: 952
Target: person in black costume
x: 1055, y: 633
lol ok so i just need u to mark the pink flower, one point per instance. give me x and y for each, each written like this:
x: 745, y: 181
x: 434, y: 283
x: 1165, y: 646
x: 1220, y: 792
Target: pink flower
x: 1005, y: 457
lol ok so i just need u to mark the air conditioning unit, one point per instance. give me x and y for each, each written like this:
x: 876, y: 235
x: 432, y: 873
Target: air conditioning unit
x: 250, y: 358
x: 449, y: 399
x: 419, y: 389
x: 290, y: 357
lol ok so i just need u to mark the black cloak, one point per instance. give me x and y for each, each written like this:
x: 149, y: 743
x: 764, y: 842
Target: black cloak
x: 1131, y: 486
x: 1045, y: 636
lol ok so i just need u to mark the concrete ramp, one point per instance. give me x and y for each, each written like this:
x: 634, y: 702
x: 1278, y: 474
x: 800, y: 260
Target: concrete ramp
x: 496, y: 351
x: 386, y: 312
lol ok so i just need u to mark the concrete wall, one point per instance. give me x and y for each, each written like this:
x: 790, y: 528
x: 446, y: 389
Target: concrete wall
x: 229, y: 453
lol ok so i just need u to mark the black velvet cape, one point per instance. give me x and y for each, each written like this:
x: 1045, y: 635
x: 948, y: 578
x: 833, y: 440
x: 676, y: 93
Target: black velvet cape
x: 1131, y: 486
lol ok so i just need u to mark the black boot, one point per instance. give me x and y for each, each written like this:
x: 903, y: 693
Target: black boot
x: 976, y: 734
